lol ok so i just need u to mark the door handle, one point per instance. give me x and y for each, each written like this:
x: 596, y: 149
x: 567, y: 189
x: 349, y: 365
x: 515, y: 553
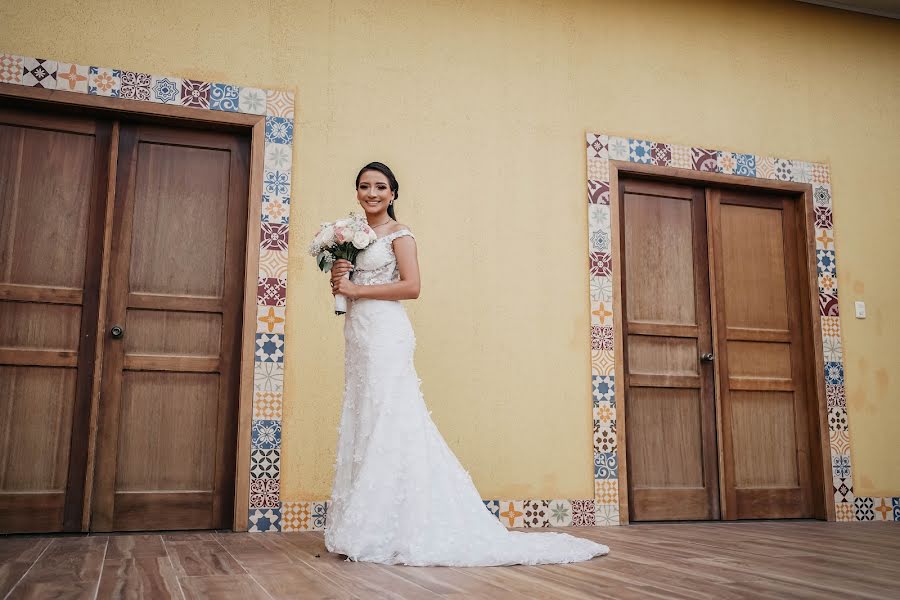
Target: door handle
x: 117, y: 332
x: 707, y: 357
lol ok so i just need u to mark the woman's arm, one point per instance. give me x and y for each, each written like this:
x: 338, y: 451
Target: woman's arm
x: 405, y: 289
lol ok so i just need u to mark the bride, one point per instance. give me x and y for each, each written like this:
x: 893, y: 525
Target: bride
x: 400, y: 495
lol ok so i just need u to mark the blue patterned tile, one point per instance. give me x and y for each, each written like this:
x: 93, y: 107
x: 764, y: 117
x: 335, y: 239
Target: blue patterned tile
x: 269, y: 347
x: 493, y: 507
x: 104, y: 82
x: 277, y: 183
x: 639, y: 151
x: 604, y: 389
x: 165, y: 90
x: 224, y: 97
x: 318, y: 516
x: 840, y: 466
x: 834, y: 373
x: 746, y: 165
x: 264, y: 520
x: 895, y: 502
x: 265, y: 434
x: 279, y: 130
x: 825, y: 262
x: 606, y: 465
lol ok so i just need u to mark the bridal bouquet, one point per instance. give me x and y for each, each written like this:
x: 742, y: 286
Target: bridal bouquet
x: 344, y: 238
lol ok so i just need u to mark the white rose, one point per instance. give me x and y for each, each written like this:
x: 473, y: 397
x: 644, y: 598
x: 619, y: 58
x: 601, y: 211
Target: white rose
x: 372, y: 235
x: 360, y: 240
x: 327, y: 235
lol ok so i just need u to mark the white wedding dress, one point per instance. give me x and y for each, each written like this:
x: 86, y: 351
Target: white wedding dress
x: 400, y: 495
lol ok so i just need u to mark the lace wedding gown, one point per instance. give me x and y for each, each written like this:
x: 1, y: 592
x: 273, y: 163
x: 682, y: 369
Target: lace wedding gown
x: 400, y: 495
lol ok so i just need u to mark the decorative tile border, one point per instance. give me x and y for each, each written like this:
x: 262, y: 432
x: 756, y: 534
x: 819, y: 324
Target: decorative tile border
x: 601, y: 148
x: 266, y: 508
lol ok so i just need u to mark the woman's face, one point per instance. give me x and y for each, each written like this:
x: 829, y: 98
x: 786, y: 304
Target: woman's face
x: 374, y: 193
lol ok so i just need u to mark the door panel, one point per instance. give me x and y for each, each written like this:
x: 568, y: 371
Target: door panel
x: 669, y: 410
x: 763, y: 396
x: 52, y: 199
x: 168, y: 414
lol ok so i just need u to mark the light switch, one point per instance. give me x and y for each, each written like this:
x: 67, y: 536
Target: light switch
x: 860, y: 309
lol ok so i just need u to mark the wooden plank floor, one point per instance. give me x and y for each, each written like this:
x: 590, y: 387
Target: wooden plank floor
x: 789, y: 559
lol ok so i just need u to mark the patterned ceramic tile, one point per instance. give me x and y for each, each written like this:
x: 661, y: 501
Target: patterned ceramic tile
x: 605, y: 437
x: 72, y: 78
x: 802, y: 171
x: 825, y: 262
x: 603, y: 363
x: 165, y: 90
x: 223, y: 96
x: 271, y: 292
x: 864, y: 509
x: 274, y: 236
x: 265, y: 464
x: 828, y: 305
x: 273, y: 264
x: 681, y: 157
x: 270, y: 319
x: 267, y: 405
x: 582, y: 513
x: 278, y: 157
x: 194, y: 93
x: 606, y: 491
x: 268, y: 377
x: 604, y: 389
x: 606, y: 514
x: 703, y: 159
x: 277, y: 183
x: 598, y: 169
x: 895, y: 503
x: 318, y: 515
x: 843, y: 512
x: 839, y: 441
x: 104, y: 82
x: 831, y: 327
x: 296, y: 516
x: 823, y: 217
x: 598, y: 192
x: 600, y: 241
x: 511, y: 513
x: 279, y: 130
x: 727, y: 163
x: 745, y: 164
x: 824, y: 239
x: 821, y: 173
x: 832, y: 348
x: 597, y: 146
x: 276, y: 209
x: 601, y: 338
x: 560, y: 513
x: 618, y: 148
x: 493, y: 507
x: 834, y: 373
x: 11, y: 68
x: 602, y: 314
x: 661, y: 154
x: 639, y: 151
x: 537, y: 513
x: 280, y: 104
x: 135, y: 86
x: 784, y: 169
x: 827, y: 283
x: 265, y: 520
x: 822, y: 195
x: 252, y: 101
x: 265, y: 493
x: 269, y: 347
x: 604, y: 412
x: 601, y: 264
x: 843, y: 489
x: 834, y: 396
x: 765, y: 167
x: 883, y: 508
x: 606, y: 465
x: 840, y: 466
x: 837, y: 419
x: 598, y: 217
x: 266, y: 434
x: 39, y: 72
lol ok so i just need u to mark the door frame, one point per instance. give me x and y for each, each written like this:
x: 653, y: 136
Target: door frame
x: 820, y: 448
x: 255, y: 126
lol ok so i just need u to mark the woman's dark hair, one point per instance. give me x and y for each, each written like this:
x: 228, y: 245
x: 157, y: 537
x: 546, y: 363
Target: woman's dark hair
x: 392, y: 181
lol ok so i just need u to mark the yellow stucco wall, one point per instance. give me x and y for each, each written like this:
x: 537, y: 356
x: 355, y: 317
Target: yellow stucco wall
x: 481, y: 106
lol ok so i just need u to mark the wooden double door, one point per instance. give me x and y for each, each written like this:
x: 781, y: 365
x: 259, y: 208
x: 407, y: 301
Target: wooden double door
x: 121, y: 281
x: 719, y: 396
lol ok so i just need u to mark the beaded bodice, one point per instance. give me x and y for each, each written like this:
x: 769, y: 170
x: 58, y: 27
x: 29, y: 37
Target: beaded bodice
x: 377, y: 264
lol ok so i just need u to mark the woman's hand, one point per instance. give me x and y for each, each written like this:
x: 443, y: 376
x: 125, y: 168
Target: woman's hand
x: 340, y: 268
x: 344, y: 286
